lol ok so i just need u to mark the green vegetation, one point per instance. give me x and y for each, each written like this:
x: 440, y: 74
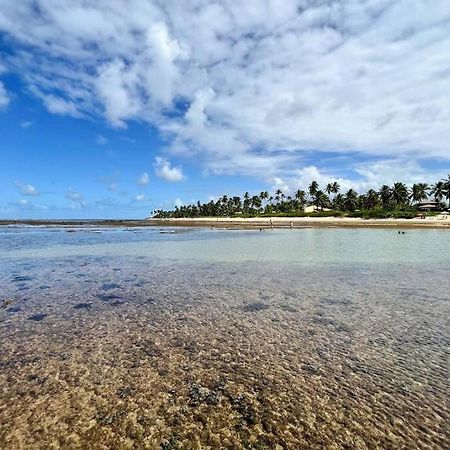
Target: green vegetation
x: 397, y: 201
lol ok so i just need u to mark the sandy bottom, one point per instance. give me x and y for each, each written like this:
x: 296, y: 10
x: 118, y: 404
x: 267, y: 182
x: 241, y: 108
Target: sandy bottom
x: 119, y: 353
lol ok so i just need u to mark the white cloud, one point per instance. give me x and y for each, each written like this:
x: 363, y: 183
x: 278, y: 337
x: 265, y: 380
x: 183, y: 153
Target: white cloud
x: 74, y: 195
x: 112, y: 186
x: 58, y: 105
x: 164, y: 169
x: 143, y: 179
x: 178, y: 202
x: 101, y: 140
x: 368, y: 176
x: 26, y: 204
x: 242, y: 93
x: 26, y: 189
x: 140, y: 197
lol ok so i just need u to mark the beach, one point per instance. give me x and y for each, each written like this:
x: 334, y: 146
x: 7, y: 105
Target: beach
x: 438, y: 221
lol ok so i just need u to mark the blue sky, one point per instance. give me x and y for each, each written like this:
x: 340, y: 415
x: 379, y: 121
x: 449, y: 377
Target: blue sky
x: 108, y: 111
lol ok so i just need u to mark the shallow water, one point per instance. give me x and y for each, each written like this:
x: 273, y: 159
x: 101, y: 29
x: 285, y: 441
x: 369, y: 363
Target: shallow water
x: 312, y: 338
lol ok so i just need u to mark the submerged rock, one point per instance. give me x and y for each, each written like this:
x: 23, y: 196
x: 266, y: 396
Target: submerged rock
x: 255, y: 307
x: 5, y: 303
x: 199, y: 394
x: 83, y: 306
x: 37, y: 317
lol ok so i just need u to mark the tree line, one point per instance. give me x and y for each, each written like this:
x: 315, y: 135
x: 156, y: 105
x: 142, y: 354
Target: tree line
x: 388, y: 201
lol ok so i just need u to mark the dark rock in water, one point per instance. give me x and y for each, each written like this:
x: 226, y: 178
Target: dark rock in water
x: 199, y: 394
x: 245, y: 409
x: 22, y: 287
x: 170, y: 444
x: 125, y: 391
x: 37, y: 317
x: 37, y: 378
x: 108, y: 297
x: 311, y: 369
x: 6, y: 303
x: 83, y: 306
x: 14, y: 309
x: 254, y: 307
x: 105, y: 419
x: 44, y: 286
x: 21, y: 278
x: 109, y: 286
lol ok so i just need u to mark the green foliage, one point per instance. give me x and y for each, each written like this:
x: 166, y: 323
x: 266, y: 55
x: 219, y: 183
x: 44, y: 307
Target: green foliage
x: 389, y: 202
x: 380, y: 213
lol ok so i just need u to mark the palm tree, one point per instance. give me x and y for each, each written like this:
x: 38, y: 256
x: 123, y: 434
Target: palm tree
x: 300, y: 197
x: 438, y: 190
x: 419, y: 192
x: 351, y: 200
x: 338, y: 202
x: 321, y: 200
x: 313, y: 188
x: 278, y: 195
x: 400, y: 194
x: 336, y: 187
x: 385, y: 194
x: 332, y: 188
x: 370, y: 200
x: 329, y: 188
x: 446, y: 182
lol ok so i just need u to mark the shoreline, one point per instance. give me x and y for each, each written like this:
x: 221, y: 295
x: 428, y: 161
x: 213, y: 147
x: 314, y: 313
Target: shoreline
x: 247, y: 223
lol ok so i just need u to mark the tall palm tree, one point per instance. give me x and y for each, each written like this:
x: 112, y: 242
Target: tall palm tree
x: 338, y: 202
x: 446, y: 182
x: 278, y: 195
x: 329, y: 188
x: 351, y: 200
x: 320, y: 200
x: 336, y: 187
x: 371, y: 199
x: 400, y: 194
x: 438, y: 191
x: 419, y: 192
x: 385, y: 194
x: 300, y: 198
x: 313, y: 188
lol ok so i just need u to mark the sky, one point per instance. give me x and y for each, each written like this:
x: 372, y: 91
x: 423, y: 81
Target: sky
x: 115, y: 108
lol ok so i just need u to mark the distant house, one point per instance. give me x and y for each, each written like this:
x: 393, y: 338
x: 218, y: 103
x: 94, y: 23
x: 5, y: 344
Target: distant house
x: 428, y: 206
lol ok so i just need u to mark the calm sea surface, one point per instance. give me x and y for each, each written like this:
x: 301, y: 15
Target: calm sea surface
x: 188, y: 339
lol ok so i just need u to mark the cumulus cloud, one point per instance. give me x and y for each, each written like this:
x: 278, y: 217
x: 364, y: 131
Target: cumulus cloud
x: 140, y: 197
x: 74, y: 196
x: 246, y: 87
x: 26, y: 189
x: 143, y: 179
x: 58, y: 105
x: 368, y: 176
x: 164, y: 169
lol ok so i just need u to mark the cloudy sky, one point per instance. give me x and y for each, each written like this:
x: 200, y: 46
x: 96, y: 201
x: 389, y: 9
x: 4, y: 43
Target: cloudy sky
x: 112, y: 108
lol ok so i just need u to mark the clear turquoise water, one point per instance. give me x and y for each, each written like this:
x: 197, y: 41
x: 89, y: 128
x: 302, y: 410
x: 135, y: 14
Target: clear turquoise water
x: 304, y: 339
x: 306, y: 246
